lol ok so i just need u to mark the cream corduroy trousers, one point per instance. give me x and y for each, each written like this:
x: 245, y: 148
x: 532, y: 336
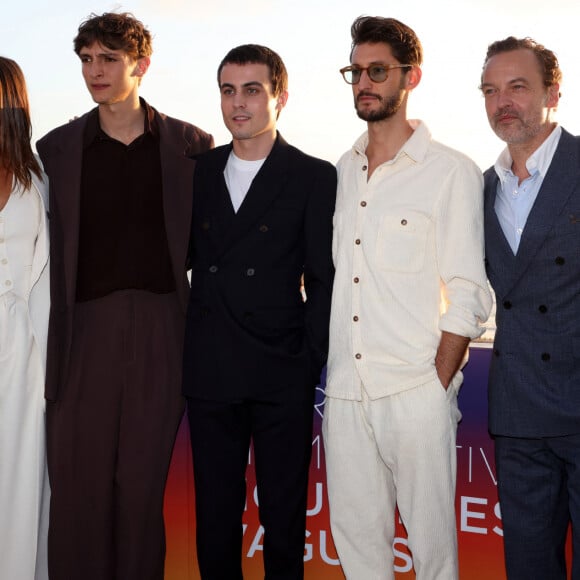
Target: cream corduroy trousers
x: 400, y: 451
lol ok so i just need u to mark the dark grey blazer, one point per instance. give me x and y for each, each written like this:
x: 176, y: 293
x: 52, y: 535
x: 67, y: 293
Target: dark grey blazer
x: 534, y: 381
x: 248, y: 331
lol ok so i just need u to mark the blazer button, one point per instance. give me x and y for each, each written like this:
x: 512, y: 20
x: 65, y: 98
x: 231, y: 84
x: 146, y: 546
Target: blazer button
x: 560, y: 261
x: 213, y: 269
x: 205, y: 226
x: 507, y: 304
x: 546, y: 356
x: 250, y: 272
x: 543, y: 308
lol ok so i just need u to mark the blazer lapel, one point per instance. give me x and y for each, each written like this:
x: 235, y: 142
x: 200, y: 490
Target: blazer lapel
x: 558, y: 185
x: 66, y: 166
x: 266, y: 186
x: 177, y: 191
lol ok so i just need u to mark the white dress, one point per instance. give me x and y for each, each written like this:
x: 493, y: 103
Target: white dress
x: 23, y: 478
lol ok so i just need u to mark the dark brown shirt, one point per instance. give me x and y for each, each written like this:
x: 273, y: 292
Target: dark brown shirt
x: 122, y: 237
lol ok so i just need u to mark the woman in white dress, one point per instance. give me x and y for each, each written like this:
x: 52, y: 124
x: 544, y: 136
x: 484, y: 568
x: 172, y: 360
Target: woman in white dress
x: 24, y: 306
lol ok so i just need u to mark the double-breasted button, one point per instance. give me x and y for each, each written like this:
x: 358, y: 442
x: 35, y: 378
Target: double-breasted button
x: 355, y: 318
x: 560, y: 261
x: 250, y: 272
x: 356, y: 280
x: 357, y: 242
x: 363, y: 203
x: 507, y: 304
x: 404, y: 222
x: 213, y: 269
x: 358, y: 356
x: 263, y: 228
x: 543, y: 308
x: 546, y: 356
x: 364, y: 167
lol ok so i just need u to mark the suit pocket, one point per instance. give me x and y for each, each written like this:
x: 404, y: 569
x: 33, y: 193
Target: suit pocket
x: 281, y: 328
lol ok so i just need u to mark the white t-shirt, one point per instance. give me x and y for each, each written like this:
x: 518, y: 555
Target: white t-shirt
x: 239, y: 175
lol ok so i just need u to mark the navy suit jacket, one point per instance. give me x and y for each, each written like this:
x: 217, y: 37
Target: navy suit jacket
x: 249, y: 333
x: 61, y: 152
x: 534, y: 381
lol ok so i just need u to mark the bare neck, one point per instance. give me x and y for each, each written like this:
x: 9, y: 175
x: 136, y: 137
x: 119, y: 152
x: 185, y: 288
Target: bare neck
x: 122, y: 121
x: 255, y: 148
x: 385, y: 140
x: 521, y: 152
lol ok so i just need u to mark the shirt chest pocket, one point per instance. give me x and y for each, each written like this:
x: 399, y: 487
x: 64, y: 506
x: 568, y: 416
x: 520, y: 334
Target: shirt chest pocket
x: 402, y: 242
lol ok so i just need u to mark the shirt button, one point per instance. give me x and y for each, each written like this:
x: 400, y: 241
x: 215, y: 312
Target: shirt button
x: 364, y: 167
x: 250, y: 272
x: 355, y: 318
x: 358, y: 356
x: 363, y: 203
x: 213, y: 269
x: 8, y: 283
x: 357, y: 242
x: 355, y: 280
x: 4, y: 261
x: 1, y: 240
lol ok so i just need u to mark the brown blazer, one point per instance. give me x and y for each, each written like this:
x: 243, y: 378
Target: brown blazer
x: 61, y: 152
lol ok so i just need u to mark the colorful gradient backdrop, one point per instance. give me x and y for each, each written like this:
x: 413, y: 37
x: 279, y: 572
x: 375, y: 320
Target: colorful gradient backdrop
x: 478, y: 519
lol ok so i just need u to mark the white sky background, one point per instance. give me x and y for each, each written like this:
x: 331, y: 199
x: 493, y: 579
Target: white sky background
x: 313, y: 38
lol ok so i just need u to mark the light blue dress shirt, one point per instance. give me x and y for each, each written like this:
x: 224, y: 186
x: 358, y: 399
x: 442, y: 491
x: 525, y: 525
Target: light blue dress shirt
x: 514, y: 200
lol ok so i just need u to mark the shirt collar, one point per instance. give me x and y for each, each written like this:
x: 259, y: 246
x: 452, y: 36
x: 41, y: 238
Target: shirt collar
x: 93, y: 129
x: 538, y: 162
x: 415, y: 147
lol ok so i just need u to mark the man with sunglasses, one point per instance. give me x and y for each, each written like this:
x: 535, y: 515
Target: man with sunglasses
x: 410, y: 291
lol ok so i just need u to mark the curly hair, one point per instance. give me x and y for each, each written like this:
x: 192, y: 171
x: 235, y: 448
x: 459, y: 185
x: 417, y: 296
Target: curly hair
x: 117, y: 32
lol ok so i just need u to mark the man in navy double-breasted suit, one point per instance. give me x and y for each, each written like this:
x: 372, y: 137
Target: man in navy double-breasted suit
x: 254, y: 349
x: 532, y: 227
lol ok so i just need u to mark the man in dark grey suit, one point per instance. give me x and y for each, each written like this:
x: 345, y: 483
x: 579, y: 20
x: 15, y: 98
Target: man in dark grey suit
x: 254, y: 349
x: 532, y: 227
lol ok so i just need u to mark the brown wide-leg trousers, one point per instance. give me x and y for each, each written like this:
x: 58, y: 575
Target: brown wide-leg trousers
x: 110, y: 437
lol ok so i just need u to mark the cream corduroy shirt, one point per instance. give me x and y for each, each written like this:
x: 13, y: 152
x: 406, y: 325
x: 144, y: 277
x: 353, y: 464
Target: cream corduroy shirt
x: 408, y: 251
